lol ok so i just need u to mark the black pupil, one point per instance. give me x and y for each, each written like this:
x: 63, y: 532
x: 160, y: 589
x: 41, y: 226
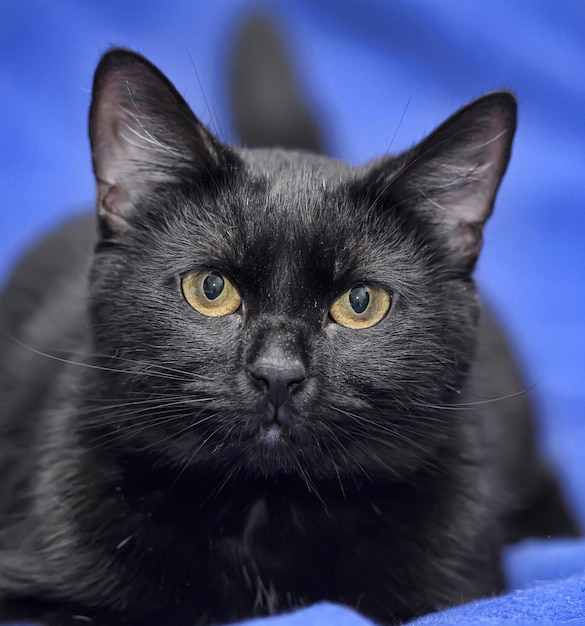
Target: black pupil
x: 359, y: 298
x: 213, y: 286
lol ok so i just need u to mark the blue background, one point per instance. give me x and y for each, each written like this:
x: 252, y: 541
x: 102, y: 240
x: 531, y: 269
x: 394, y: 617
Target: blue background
x: 382, y: 74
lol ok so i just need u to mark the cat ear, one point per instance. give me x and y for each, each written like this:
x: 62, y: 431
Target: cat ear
x: 453, y: 175
x: 142, y: 134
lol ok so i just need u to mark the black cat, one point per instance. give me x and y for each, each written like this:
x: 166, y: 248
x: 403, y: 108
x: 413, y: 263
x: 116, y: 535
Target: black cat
x: 263, y: 379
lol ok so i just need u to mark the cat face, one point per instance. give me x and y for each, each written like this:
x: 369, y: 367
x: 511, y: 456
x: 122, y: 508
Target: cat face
x: 270, y: 312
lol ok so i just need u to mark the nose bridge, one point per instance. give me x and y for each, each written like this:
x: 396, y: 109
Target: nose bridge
x: 277, y: 364
x: 286, y: 283
x: 279, y: 343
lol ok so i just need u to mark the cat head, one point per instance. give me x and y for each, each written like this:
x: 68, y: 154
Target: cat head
x: 272, y: 312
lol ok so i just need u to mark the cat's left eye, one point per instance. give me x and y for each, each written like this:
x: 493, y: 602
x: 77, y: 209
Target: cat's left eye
x: 210, y: 293
x: 362, y: 306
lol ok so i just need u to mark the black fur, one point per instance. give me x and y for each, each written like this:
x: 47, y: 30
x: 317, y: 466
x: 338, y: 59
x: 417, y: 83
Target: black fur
x: 268, y: 107
x: 140, y: 481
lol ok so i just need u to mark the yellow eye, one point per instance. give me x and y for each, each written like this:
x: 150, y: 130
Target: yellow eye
x: 361, y: 306
x: 210, y: 293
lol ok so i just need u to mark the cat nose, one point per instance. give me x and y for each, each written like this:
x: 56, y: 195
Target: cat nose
x: 278, y: 378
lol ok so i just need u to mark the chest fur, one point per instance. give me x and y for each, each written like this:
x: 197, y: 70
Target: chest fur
x: 250, y: 553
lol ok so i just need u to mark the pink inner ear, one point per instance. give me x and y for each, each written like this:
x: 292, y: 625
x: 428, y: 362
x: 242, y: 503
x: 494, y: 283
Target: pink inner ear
x: 468, y: 238
x: 475, y: 184
x: 113, y: 204
x: 143, y: 134
x: 126, y: 150
x: 108, y: 150
x: 490, y: 163
x: 457, y: 170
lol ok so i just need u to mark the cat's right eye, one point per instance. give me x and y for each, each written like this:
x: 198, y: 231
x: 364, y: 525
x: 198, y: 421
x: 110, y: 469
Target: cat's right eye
x: 362, y: 306
x: 211, y: 293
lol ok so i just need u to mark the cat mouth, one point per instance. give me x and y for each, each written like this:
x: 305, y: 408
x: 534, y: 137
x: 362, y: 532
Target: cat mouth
x: 271, y: 440
x: 274, y: 441
x: 273, y: 448
x: 271, y: 435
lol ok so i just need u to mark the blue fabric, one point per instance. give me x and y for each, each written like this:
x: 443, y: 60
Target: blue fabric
x: 382, y: 74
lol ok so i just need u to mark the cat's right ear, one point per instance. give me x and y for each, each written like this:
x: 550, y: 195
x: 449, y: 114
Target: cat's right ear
x: 452, y: 177
x: 143, y: 134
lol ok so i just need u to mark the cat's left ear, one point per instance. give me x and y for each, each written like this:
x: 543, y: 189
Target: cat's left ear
x: 143, y: 134
x: 452, y: 176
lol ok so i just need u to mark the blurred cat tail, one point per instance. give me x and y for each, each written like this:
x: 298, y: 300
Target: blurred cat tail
x: 268, y: 106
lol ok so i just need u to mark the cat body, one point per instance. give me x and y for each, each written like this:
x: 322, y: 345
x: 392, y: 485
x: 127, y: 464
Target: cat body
x: 261, y: 379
